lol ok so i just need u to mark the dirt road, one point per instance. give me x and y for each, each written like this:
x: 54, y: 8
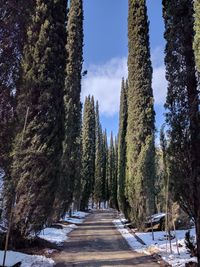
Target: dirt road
x: 97, y: 243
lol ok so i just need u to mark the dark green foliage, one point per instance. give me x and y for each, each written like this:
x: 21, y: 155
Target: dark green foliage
x: 140, y: 172
x: 161, y: 173
x: 14, y: 18
x: 88, y: 151
x: 105, y: 162
x: 112, y: 174
x: 180, y: 73
x: 98, y: 185
x: 183, y: 108
x: 197, y: 34
x: 122, y: 200
x: 38, y: 146
x: 115, y: 185
x: 71, y: 163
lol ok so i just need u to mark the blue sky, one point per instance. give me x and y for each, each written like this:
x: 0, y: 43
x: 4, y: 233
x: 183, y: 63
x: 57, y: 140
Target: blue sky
x: 105, y: 55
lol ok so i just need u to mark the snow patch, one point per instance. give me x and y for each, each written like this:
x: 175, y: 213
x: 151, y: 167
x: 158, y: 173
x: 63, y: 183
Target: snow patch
x: 26, y: 260
x: 158, y: 245
x: 57, y: 236
x: 73, y: 220
x: 78, y: 217
x: 80, y: 214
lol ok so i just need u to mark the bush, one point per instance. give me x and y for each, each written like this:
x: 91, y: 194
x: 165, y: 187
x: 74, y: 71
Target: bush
x: 190, y: 244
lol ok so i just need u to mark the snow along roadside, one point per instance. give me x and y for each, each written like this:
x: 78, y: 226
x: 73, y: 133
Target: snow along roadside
x: 53, y: 235
x: 158, y: 245
x: 58, y: 236
x: 26, y: 260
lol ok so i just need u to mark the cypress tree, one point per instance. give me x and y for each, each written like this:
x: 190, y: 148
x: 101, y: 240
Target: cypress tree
x: 111, y: 173
x: 88, y: 151
x: 161, y: 172
x: 197, y: 33
x: 98, y: 184
x: 71, y: 167
x: 140, y: 123
x: 179, y: 60
x: 122, y: 200
x: 115, y: 181
x: 183, y: 107
x: 104, y: 174
x: 38, y: 145
x: 94, y: 133
x: 14, y: 18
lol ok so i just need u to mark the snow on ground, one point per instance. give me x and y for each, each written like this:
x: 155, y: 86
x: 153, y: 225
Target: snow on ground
x: 57, y: 236
x: 73, y: 220
x: 80, y: 214
x: 26, y: 260
x: 158, y: 245
x: 78, y: 217
x: 54, y: 235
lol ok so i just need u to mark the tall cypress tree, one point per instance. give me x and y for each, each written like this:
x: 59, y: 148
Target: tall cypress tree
x: 98, y: 184
x: 88, y: 151
x: 115, y: 181
x: 71, y: 167
x: 197, y: 33
x: 183, y: 107
x: 111, y: 172
x: 14, y: 18
x: 140, y: 170
x: 38, y: 146
x: 104, y: 168
x: 122, y: 200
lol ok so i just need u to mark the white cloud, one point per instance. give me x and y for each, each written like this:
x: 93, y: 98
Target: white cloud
x: 104, y: 82
x: 159, y: 83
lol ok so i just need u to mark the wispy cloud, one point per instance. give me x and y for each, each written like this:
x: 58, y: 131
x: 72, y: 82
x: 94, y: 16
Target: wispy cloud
x: 159, y: 83
x: 104, y: 82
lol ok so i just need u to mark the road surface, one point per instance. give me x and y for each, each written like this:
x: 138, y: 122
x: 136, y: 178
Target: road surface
x: 97, y: 243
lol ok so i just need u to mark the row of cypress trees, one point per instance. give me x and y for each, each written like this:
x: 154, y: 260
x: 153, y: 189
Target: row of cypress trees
x: 41, y: 107
x: 181, y: 150
x: 44, y: 154
x: 49, y: 158
x: 99, y: 161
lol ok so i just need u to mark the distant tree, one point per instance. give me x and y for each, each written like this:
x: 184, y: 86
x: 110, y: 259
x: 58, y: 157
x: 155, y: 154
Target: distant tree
x: 115, y: 181
x: 111, y: 173
x: 183, y: 108
x: 71, y: 163
x: 104, y: 174
x: 122, y: 200
x: 140, y: 172
x: 38, y: 145
x: 161, y: 172
x: 98, y: 184
x: 88, y: 152
x: 94, y: 119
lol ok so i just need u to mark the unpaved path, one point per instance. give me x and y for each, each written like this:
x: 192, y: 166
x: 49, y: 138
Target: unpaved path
x: 97, y: 243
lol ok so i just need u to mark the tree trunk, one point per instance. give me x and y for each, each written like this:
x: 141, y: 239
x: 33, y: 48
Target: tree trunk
x: 197, y: 224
